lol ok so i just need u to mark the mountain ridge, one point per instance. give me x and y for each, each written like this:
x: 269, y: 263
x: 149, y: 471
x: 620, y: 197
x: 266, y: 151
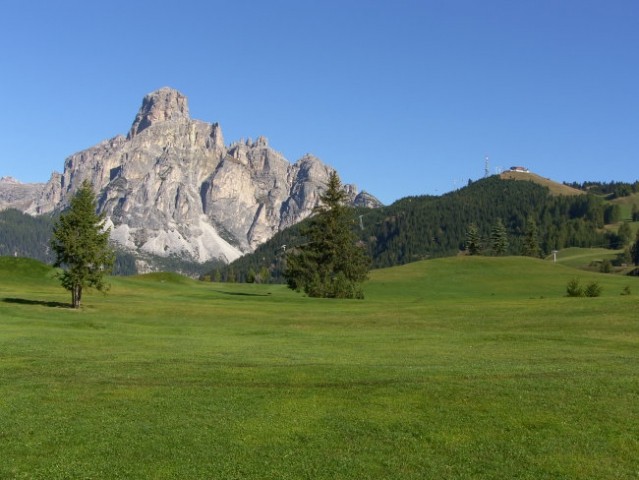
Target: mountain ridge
x: 171, y: 187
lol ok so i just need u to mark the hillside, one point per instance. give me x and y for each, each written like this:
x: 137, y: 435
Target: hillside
x: 25, y: 236
x: 555, y: 188
x: 417, y: 228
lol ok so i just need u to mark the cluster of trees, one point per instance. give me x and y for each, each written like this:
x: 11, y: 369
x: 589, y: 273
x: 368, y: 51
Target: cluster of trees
x: 498, y: 242
x: 609, y: 190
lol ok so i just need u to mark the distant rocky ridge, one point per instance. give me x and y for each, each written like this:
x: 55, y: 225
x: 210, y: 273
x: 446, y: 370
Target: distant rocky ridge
x: 171, y: 187
x: 21, y: 196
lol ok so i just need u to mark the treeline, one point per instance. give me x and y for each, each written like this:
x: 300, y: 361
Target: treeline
x: 610, y: 190
x: 421, y: 227
x: 265, y: 265
x: 22, y: 235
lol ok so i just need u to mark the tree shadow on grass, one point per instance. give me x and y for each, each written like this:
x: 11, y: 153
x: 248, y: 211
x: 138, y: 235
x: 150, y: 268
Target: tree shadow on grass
x: 243, y: 294
x: 42, y: 303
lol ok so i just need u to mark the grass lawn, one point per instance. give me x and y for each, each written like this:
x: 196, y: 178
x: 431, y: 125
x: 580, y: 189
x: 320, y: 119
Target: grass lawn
x: 454, y: 368
x: 583, y: 257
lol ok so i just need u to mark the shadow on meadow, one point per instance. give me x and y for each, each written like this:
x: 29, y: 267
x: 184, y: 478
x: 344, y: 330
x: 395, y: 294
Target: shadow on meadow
x: 243, y: 294
x: 42, y: 303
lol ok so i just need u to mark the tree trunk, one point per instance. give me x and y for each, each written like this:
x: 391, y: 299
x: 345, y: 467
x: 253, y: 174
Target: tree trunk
x: 76, y: 296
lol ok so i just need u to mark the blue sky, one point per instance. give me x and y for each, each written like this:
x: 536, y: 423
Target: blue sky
x: 402, y: 97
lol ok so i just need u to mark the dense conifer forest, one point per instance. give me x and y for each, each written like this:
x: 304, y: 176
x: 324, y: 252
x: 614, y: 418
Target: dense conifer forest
x: 22, y: 235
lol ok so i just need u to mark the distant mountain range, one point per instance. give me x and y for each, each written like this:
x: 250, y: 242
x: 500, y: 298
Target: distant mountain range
x: 172, y: 188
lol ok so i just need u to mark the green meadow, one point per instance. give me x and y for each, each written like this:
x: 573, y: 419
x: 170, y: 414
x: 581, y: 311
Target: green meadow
x: 456, y: 368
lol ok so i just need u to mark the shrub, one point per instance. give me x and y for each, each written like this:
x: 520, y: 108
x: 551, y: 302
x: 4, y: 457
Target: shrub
x: 593, y: 289
x: 605, y: 266
x: 574, y: 289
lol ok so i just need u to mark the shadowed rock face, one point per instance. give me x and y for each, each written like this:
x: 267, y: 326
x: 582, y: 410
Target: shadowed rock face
x: 172, y: 187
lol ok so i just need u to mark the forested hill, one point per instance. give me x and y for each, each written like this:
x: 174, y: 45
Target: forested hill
x: 420, y: 227
x: 22, y: 235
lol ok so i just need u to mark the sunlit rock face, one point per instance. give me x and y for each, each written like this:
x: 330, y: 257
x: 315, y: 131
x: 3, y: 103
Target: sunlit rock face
x: 172, y: 187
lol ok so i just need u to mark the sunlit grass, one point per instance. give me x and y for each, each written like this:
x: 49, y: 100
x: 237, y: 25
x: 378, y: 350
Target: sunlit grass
x: 454, y: 368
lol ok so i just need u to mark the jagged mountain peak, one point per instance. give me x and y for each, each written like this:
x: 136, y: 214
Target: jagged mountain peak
x: 160, y: 106
x: 172, y: 188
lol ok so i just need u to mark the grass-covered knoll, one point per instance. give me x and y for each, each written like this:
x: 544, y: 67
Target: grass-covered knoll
x: 453, y: 368
x: 554, y: 187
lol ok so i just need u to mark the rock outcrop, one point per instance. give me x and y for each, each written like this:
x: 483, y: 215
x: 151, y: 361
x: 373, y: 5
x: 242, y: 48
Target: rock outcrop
x: 172, y: 187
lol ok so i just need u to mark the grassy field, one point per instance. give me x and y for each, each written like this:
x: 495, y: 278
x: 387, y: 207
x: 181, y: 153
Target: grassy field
x: 583, y: 257
x: 460, y: 368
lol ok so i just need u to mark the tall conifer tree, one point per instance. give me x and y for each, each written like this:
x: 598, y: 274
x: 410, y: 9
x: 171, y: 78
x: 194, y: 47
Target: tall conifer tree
x: 473, y: 240
x: 531, y: 239
x: 330, y: 264
x: 499, y: 238
x: 81, y: 246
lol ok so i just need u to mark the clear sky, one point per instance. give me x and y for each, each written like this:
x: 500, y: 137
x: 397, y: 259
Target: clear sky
x: 402, y: 97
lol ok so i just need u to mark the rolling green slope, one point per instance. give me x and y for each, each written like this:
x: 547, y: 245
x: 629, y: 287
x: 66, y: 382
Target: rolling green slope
x: 467, y: 278
x: 455, y: 368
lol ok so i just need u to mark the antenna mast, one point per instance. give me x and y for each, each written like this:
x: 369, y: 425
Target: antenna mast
x: 486, y: 169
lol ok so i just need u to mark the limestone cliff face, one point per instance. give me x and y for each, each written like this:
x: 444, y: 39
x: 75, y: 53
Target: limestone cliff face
x: 172, y: 187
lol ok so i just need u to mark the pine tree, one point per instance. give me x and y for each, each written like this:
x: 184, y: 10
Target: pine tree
x: 473, y: 240
x: 81, y: 246
x: 531, y: 239
x: 330, y: 264
x: 499, y: 238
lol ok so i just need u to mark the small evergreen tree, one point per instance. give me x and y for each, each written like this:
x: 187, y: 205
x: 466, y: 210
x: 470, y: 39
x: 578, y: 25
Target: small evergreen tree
x: 330, y: 264
x: 531, y: 239
x: 499, y: 238
x: 81, y: 246
x: 574, y: 288
x: 473, y: 240
x: 593, y: 289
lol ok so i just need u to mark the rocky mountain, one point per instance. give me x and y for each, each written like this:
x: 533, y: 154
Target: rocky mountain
x: 171, y: 187
x: 21, y: 196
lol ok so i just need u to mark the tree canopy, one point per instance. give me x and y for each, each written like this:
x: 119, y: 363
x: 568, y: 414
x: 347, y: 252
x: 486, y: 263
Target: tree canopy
x: 81, y: 245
